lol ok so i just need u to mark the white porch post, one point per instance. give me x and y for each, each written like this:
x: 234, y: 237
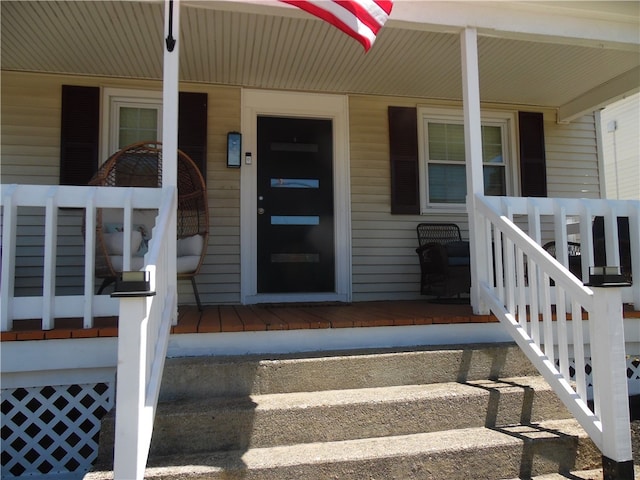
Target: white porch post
x: 611, y: 395
x: 131, y: 446
x: 473, y: 150
x: 170, y: 82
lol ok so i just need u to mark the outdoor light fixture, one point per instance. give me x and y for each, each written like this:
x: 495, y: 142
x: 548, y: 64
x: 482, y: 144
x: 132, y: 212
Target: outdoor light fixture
x: 606, y: 276
x: 133, y: 284
x: 234, y: 146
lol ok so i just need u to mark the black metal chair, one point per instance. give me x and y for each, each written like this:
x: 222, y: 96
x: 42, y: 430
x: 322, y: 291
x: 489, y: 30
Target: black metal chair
x: 624, y: 245
x: 445, y: 266
x: 575, y: 262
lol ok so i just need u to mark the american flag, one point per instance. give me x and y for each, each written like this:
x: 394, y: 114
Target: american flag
x: 362, y: 19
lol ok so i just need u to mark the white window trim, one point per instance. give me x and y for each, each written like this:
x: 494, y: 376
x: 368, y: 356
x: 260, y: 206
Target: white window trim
x: 113, y: 98
x: 507, y: 119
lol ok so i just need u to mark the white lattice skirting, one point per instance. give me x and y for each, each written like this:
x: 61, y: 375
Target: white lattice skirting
x: 52, y: 430
x: 633, y: 373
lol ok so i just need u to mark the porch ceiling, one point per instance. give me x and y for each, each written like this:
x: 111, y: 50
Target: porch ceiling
x: 275, y: 48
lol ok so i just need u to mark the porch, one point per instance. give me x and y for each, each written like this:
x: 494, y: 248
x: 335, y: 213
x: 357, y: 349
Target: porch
x: 261, y: 318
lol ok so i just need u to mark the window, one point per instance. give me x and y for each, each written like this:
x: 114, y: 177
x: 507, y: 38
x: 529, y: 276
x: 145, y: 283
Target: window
x: 132, y: 116
x: 442, y: 152
x: 84, y: 144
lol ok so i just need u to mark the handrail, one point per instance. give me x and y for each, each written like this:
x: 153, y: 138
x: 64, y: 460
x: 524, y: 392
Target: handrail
x: 559, y: 218
x: 515, y: 282
x: 145, y: 325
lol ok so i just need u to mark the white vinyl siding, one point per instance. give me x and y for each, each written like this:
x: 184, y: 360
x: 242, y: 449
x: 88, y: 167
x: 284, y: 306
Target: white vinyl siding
x: 385, y: 265
x: 621, y: 148
x: 30, y: 125
x: 572, y: 158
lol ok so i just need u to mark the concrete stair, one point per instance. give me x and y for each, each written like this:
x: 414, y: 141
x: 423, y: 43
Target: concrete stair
x: 474, y: 412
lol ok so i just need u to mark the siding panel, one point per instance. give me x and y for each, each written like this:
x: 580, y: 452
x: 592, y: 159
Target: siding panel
x: 572, y: 160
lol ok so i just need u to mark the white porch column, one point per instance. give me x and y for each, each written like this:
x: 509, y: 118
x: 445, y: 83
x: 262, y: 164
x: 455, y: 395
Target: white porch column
x: 170, y: 80
x: 473, y: 150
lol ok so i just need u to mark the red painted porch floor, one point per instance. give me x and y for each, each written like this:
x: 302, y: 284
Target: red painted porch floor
x: 243, y: 318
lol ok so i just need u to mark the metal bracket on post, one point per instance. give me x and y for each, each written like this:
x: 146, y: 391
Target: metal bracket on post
x: 171, y: 42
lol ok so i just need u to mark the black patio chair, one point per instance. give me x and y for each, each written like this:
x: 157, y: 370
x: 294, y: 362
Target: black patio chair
x: 624, y: 246
x: 575, y: 259
x: 445, y: 268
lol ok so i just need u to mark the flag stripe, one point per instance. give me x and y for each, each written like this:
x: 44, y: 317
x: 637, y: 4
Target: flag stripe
x: 368, y: 11
x: 361, y: 19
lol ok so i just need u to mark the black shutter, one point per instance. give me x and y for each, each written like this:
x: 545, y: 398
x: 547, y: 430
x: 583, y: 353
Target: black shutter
x: 192, y: 128
x: 79, y: 134
x: 533, y: 169
x: 403, y: 149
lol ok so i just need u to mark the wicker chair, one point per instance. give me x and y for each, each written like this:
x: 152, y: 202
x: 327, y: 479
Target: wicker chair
x: 140, y: 165
x: 444, y: 260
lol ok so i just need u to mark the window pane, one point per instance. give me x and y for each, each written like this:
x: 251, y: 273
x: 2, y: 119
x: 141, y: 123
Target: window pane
x: 494, y: 181
x: 295, y: 220
x: 128, y: 117
x: 127, y: 137
x: 446, y: 142
x: 136, y: 125
x: 447, y: 183
x: 148, y: 118
x: 492, y: 144
x: 295, y: 183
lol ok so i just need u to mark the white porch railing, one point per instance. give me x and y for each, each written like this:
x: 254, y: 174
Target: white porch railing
x: 515, y: 279
x: 144, y: 321
x: 20, y: 201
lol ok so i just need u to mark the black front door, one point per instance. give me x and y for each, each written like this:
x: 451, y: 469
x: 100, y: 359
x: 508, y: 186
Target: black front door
x: 295, y: 205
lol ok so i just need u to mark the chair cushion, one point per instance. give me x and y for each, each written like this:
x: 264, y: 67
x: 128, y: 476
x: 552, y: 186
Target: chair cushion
x: 142, y: 247
x: 457, y: 249
x: 190, y: 246
x: 114, y: 244
x: 187, y: 263
x: 184, y: 264
x: 458, y: 261
x: 117, y: 262
x: 458, y: 253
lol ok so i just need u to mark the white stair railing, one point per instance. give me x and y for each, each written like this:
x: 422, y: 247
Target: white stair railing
x: 515, y: 278
x: 143, y: 335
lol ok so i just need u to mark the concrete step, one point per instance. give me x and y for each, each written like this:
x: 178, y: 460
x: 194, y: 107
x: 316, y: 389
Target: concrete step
x: 478, y: 453
x: 227, y: 423
x: 207, y: 377
x: 595, y: 474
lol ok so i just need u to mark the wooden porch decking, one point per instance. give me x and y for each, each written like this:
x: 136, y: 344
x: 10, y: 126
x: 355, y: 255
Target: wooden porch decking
x: 247, y: 318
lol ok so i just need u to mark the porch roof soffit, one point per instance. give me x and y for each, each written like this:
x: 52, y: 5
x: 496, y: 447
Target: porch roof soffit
x: 562, y: 55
